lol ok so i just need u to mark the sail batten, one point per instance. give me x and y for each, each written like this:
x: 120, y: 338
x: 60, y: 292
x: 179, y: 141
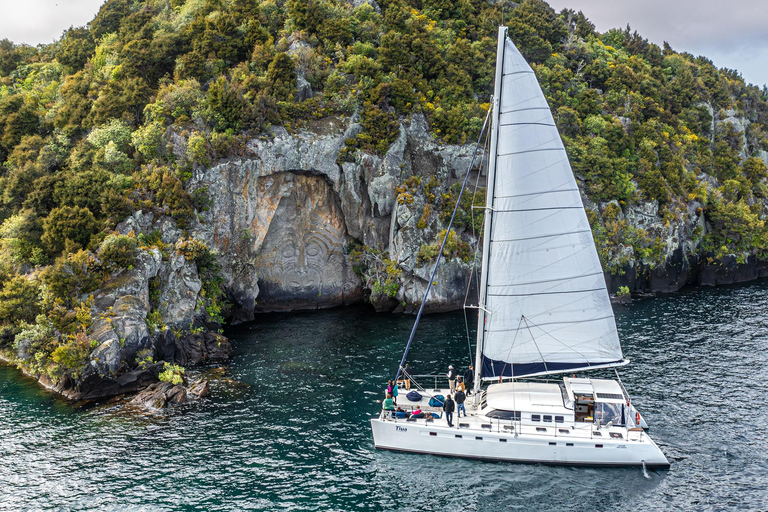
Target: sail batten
x: 545, y: 304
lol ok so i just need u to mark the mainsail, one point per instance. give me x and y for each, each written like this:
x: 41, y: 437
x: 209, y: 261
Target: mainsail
x: 544, y: 304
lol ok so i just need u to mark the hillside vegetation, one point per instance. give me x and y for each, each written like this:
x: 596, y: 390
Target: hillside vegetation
x: 113, y: 117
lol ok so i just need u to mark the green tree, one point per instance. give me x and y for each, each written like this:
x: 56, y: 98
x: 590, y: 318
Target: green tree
x: 19, y: 301
x: 68, y: 223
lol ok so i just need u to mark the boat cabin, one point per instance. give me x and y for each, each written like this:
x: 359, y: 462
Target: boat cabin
x: 541, y: 402
x: 596, y: 400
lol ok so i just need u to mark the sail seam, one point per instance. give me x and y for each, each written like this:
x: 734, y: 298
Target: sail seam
x: 541, y: 209
x: 541, y: 293
x: 592, y: 274
x: 538, y: 193
x: 589, y: 320
x: 538, y: 237
x: 526, y: 124
x: 531, y: 151
x: 522, y: 110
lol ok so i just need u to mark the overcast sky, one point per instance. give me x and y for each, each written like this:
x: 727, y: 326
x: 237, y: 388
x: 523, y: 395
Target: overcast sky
x: 733, y: 34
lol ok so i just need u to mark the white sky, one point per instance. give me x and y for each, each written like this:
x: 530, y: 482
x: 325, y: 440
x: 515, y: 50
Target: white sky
x: 733, y: 33
x: 43, y: 21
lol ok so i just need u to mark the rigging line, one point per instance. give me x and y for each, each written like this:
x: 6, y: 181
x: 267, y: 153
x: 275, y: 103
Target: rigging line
x: 509, y: 353
x: 442, y: 247
x: 549, y: 333
x: 473, y: 272
x: 533, y: 339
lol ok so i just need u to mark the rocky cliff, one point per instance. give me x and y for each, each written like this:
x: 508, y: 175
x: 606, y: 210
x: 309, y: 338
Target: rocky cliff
x: 286, y: 218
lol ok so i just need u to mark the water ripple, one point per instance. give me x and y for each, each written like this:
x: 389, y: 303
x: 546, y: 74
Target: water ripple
x: 290, y: 430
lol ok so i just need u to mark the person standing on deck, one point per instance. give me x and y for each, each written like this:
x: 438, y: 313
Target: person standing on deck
x: 407, y: 376
x: 448, y: 407
x: 451, y: 378
x: 394, y: 391
x: 460, y: 397
x: 469, y: 379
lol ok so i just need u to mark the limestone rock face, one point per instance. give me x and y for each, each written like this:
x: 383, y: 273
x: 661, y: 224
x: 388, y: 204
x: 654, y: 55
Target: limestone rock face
x: 179, y: 287
x: 283, y: 219
x: 122, y: 305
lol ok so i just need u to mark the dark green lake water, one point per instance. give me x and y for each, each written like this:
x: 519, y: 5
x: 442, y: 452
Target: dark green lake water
x: 290, y: 430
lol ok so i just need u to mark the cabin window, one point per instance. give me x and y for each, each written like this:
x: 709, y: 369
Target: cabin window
x: 548, y: 418
x: 535, y: 417
x: 609, y: 413
x: 504, y: 415
x: 559, y: 419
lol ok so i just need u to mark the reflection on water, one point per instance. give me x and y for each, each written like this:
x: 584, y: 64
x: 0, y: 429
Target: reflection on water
x: 288, y: 429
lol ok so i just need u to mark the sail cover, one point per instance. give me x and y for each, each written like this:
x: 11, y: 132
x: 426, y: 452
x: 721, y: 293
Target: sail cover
x: 546, y: 306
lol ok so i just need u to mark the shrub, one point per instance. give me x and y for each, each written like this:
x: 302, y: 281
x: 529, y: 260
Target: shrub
x: 71, y: 276
x: 72, y: 356
x: 172, y: 373
x: 19, y: 301
x: 68, y: 223
x: 118, y: 252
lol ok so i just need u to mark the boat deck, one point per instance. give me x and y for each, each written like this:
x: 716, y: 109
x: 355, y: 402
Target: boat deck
x: 473, y: 421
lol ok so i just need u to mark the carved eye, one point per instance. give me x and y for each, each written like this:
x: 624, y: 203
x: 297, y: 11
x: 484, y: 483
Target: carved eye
x: 312, y: 250
x: 288, y: 251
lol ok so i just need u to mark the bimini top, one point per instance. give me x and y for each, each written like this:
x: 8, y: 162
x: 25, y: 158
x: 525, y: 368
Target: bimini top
x: 545, y: 305
x: 600, y: 390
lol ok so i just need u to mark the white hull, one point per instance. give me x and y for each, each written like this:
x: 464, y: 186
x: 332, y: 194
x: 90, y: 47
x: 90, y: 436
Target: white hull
x: 436, y: 438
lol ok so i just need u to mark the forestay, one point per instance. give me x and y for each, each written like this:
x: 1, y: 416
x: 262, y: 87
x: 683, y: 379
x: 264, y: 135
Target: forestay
x: 546, y: 307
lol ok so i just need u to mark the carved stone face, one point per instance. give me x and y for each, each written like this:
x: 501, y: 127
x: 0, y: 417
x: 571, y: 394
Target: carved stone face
x: 301, y: 262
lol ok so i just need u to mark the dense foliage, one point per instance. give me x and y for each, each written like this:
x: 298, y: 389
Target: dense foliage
x: 113, y: 117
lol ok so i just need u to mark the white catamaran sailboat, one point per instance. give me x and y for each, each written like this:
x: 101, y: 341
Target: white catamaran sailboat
x: 544, y: 309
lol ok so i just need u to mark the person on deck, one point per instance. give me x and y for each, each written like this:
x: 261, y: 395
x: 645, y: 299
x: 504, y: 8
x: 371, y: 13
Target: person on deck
x: 388, y: 404
x: 394, y: 392
x: 460, y: 397
x: 407, y: 376
x: 448, y: 407
x: 469, y: 379
x: 460, y: 385
x: 451, y: 378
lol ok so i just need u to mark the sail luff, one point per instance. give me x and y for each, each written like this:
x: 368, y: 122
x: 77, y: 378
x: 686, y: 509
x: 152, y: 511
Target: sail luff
x: 489, y: 206
x: 545, y: 307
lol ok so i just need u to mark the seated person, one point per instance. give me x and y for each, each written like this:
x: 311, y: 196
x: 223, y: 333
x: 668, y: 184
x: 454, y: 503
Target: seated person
x: 388, y: 404
x: 418, y: 413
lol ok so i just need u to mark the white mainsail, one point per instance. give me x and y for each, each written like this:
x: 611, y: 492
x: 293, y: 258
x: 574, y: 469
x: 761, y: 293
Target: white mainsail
x: 545, y: 307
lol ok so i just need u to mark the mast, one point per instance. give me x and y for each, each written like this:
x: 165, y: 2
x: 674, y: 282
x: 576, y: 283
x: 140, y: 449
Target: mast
x: 481, y: 316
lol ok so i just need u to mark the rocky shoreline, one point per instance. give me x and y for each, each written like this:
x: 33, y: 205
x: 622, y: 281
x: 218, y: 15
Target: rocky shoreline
x: 293, y: 227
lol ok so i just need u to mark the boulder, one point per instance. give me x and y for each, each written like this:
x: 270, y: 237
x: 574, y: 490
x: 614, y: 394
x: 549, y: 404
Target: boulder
x: 161, y: 395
